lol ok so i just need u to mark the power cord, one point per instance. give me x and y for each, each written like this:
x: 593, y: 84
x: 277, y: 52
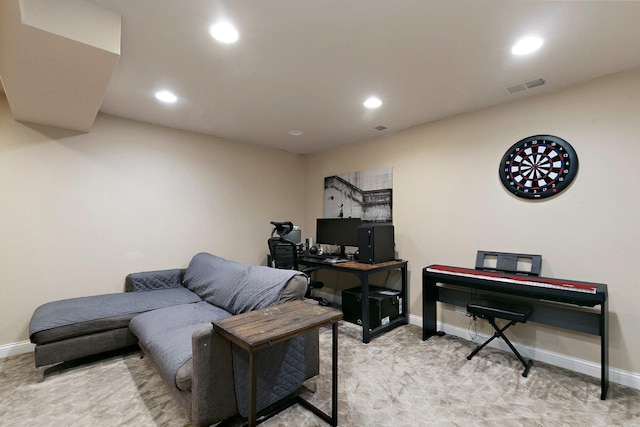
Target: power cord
x: 472, y: 329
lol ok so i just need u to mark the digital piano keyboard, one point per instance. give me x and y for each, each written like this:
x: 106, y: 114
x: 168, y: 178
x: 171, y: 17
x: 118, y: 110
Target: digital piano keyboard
x: 458, y: 286
x: 534, y: 287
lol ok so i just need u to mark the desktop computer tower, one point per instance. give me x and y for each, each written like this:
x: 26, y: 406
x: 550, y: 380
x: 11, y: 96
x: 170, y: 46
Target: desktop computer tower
x: 376, y: 243
x: 385, y: 305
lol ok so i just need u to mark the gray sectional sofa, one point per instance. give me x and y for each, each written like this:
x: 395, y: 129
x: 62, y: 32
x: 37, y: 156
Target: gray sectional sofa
x: 169, y: 314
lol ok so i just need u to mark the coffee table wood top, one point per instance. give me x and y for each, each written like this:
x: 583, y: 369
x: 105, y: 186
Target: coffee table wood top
x: 261, y: 328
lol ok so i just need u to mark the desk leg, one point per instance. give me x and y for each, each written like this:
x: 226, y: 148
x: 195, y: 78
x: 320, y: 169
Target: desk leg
x: 429, y: 313
x: 366, y: 321
x: 366, y: 304
x: 253, y: 385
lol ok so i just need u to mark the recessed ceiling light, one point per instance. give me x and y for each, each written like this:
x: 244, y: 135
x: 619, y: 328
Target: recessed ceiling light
x: 295, y: 132
x: 224, y: 32
x: 526, y: 45
x: 372, y: 102
x: 166, y: 96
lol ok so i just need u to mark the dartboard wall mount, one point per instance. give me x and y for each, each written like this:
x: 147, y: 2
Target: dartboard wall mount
x: 538, y: 167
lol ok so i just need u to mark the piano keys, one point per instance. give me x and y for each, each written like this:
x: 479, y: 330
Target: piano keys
x: 567, y: 304
x: 520, y: 280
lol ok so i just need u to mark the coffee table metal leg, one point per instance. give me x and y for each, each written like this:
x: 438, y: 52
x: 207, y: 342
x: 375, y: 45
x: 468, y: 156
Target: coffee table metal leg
x: 333, y: 418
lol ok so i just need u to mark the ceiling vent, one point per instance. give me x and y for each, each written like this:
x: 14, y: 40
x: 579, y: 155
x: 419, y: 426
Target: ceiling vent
x: 526, y: 85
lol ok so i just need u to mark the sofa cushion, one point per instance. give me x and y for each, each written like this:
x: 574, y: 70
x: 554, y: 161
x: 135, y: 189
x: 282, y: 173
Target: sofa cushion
x: 67, y: 318
x: 166, y: 334
x: 238, y: 287
x: 82, y: 328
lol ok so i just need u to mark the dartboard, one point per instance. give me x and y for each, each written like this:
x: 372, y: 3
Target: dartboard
x: 538, y: 166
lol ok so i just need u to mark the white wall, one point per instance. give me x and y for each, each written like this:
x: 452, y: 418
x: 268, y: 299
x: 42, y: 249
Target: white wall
x: 449, y: 202
x: 78, y: 212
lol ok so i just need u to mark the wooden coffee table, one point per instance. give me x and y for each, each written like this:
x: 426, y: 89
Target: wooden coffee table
x: 259, y: 329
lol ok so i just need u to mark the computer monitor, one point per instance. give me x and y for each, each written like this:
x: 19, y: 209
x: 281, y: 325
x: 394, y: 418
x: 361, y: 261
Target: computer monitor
x: 338, y: 231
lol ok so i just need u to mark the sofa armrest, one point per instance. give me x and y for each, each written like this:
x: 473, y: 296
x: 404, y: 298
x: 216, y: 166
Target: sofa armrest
x: 213, y: 396
x: 295, y: 289
x: 151, y: 280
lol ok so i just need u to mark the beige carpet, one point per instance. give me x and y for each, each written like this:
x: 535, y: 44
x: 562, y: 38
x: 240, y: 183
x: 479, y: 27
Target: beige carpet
x: 396, y: 380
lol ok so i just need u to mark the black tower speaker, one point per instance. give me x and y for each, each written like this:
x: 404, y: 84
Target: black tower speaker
x: 375, y: 243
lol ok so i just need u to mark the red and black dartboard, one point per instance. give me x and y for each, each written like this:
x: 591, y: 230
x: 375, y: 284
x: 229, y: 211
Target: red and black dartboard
x: 538, y: 166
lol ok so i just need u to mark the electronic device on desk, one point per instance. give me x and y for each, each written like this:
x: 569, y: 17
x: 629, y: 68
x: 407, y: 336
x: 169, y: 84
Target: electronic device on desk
x: 385, y: 305
x: 335, y: 260
x: 295, y: 236
x: 376, y: 243
x: 328, y: 258
x: 340, y: 232
x: 314, y: 255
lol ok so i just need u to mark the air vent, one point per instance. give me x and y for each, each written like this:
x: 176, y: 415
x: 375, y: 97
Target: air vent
x: 516, y: 88
x: 534, y: 83
x: 526, y: 85
x: 380, y: 127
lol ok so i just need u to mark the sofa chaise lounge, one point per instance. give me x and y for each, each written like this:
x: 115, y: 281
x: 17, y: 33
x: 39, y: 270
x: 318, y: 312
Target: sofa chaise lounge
x: 169, y: 314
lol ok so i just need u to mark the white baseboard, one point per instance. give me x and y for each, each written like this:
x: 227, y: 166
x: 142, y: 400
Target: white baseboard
x: 618, y: 376
x: 13, y: 349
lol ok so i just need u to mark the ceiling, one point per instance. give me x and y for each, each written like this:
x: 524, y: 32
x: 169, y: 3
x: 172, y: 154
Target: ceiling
x: 309, y: 65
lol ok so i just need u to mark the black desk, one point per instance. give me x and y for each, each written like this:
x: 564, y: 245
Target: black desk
x: 566, y: 309
x: 362, y: 271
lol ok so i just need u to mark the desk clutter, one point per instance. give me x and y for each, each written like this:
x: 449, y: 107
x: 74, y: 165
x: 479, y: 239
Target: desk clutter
x: 383, y: 309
